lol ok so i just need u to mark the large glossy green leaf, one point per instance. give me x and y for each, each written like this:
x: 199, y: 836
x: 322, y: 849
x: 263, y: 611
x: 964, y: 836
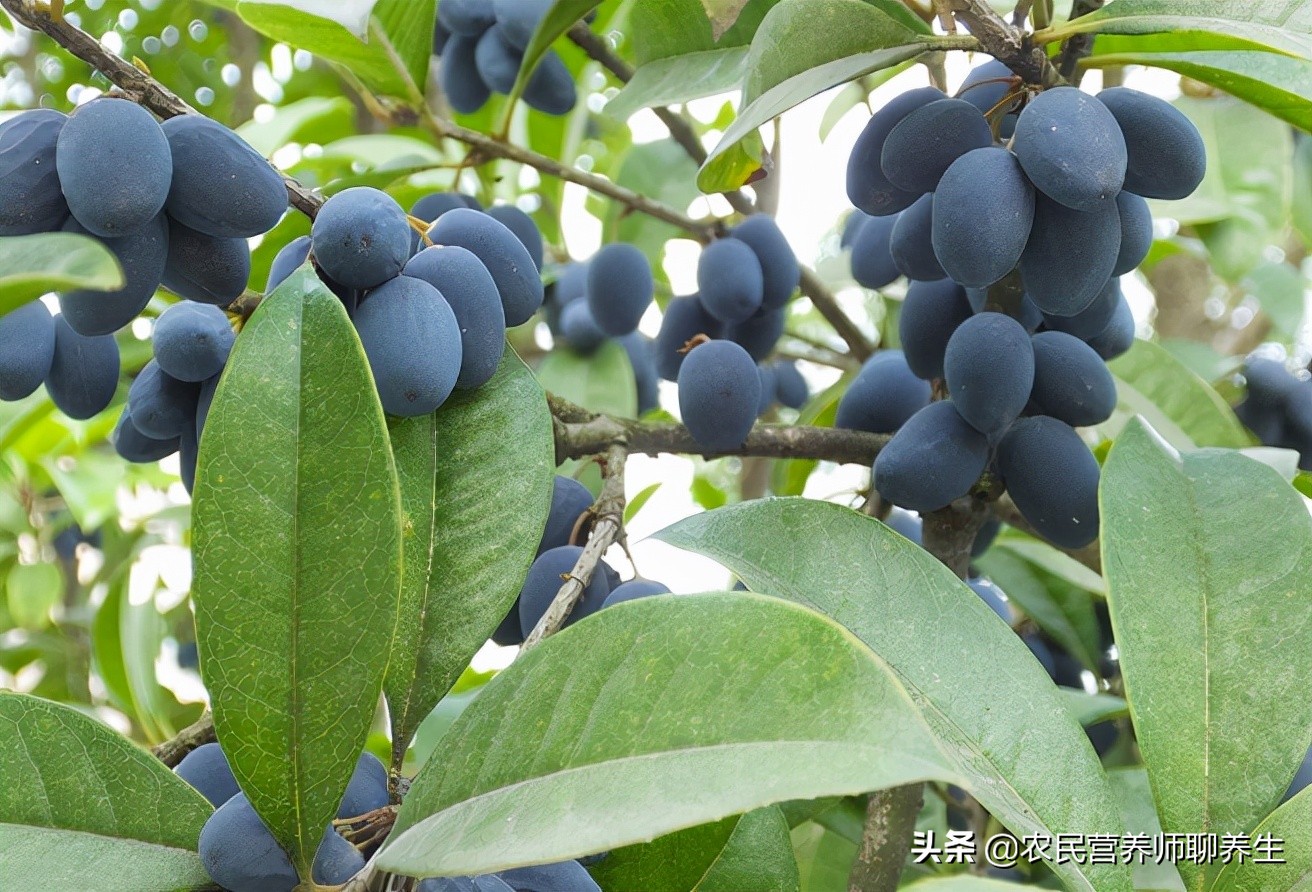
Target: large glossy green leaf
x: 297, y: 558
x: 32, y: 265
x: 1291, y: 822
x: 354, y: 33
x: 976, y: 684
x: 1206, y: 557
x: 654, y: 716
x: 81, y: 807
x: 752, y: 851
x: 1275, y: 83
x: 464, y: 563
x: 804, y: 47
x: 1181, y: 406
x: 602, y: 382
x: 1248, y: 24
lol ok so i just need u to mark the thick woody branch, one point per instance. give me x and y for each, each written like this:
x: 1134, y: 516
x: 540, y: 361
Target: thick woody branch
x: 1004, y: 42
x: 607, y: 529
x: 197, y: 734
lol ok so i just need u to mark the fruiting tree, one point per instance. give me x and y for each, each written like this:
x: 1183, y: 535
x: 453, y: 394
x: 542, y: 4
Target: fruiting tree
x: 328, y: 330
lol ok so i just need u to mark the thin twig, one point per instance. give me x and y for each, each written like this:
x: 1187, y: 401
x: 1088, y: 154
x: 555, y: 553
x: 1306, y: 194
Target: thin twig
x: 607, y: 529
x: 1077, y: 46
x: 197, y: 734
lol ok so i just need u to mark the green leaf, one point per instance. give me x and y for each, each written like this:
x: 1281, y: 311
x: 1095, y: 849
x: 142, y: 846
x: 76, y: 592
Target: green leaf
x: 722, y: 13
x: 687, y: 704
x: 680, y: 79
x: 635, y: 504
x: 297, y: 558
x: 661, y: 170
x: 602, y: 382
x: 33, y: 265
x: 126, y: 639
x: 1291, y: 822
x: 1135, y: 796
x: 462, y: 471
x: 828, y: 42
x: 824, y: 858
x: 1183, y: 407
x: 1058, y: 563
x: 321, y: 119
x: 1274, y: 83
x: 33, y: 591
x: 81, y: 807
x: 1090, y: 709
x: 1279, y: 288
x: 556, y: 21
x: 753, y: 851
x: 961, y: 883
x: 1024, y: 756
x: 340, y: 32
x: 1210, y: 24
x: 1213, y: 622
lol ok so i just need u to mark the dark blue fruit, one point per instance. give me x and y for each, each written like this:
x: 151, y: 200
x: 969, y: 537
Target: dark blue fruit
x: 519, y: 19
x: 867, y: 186
x: 685, y: 318
x: 497, y: 61
x: 162, y: 406
x: 27, y: 349
x: 1071, y: 148
x: 287, y: 261
x: 780, y: 271
x: 768, y: 387
x: 435, y: 204
x: 544, y: 580
x: 992, y: 596
x: 1302, y: 778
x: 564, y: 876
x: 468, y: 17
x: 791, y: 388
x: 206, y: 768
x: 1166, y: 158
x: 221, y: 186
x: 462, y: 85
x: 468, y: 287
x: 30, y: 200
x: 935, y: 458
x: 367, y: 789
x: 579, y: 327
x: 361, y: 237
x: 142, y: 254
x: 134, y: 446
x: 188, y: 456
x: 1092, y: 319
x: 522, y: 225
x: 239, y: 852
x: 911, y: 243
x: 984, y: 538
x: 987, y: 85
x: 1041, y: 652
x: 1136, y: 232
x: 633, y: 590
x: 1053, y: 479
x: 204, y: 268
x: 924, y: 144
x: 203, y: 403
x: 852, y: 225
x: 989, y: 368
x: 730, y: 280
x: 1029, y: 315
x: 872, y: 253
x: 391, y: 321
x: 550, y: 88
x: 983, y: 213
x: 930, y: 314
x: 1070, y: 255
x: 906, y: 524
x: 758, y: 333
x: 114, y: 166
x: 719, y: 390
x: 1118, y: 336
x: 1269, y: 383
x: 1071, y: 381
x: 642, y: 356
x: 883, y: 396
x: 620, y: 288
x: 192, y: 340
x: 569, y: 499
x: 84, y: 372
x: 501, y: 252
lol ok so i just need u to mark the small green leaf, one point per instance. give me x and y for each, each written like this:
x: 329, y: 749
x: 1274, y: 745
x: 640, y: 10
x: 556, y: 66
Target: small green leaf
x: 687, y: 704
x: 33, y: 591
x: 602, y: 382
x: 752, y: 851
x: 634, y: 505
x: 126, y: 639
x: 465, y: 558
x: 1090, y: 709
x: 557, y: 20
x: 1292, y: 823
x: 33, y: 265
x: 1214, y: 627
x: 1183, y: 407
x: 81, y: 807
x: 1024, y: 757
x: 297, y: 559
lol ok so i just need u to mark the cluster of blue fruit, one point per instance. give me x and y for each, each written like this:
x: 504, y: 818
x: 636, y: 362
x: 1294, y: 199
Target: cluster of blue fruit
x: 241, y: 855
x: 1061, y: 205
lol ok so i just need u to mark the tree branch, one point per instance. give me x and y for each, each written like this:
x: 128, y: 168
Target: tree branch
x: 197, y: 734
x: 1077, y: 46
x: 1004, y: 42
x: 886, y: 839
